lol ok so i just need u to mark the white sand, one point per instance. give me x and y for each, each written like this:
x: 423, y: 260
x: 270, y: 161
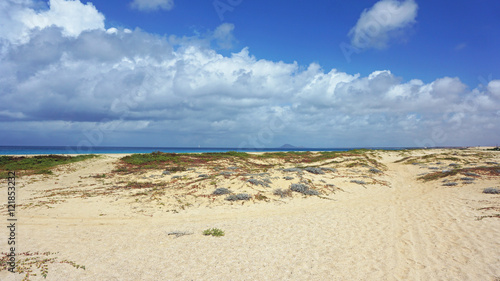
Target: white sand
x: 409, y: 230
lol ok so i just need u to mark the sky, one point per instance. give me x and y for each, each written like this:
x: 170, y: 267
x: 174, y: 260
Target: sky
x: 239, y: 73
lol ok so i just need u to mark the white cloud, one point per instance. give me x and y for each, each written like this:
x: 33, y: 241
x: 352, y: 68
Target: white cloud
x: 152, y: 5
x: 387, y: 19
x: 223, y: 35
x: 494, y: 88
x: 72, y: 17
x: 129, y: 87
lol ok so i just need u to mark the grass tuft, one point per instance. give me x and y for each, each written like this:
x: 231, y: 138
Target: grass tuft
x: 241, y: 196
x: 213, y: 232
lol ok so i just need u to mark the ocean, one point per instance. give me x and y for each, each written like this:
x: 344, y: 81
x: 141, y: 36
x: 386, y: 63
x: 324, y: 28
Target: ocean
x: 24, y: 150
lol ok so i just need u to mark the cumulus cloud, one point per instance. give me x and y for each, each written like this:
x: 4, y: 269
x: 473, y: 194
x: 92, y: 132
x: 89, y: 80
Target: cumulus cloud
x: 129, y: 87
x: 73, y: 17
x: 386, y: 20
x: 152, y: 5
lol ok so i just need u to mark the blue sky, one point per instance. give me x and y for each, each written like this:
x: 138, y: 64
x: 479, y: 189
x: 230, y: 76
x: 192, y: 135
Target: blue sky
x: 449, y: 38
x: 249, y: 73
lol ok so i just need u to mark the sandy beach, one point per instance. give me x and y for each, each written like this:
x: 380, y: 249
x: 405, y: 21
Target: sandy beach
x: 377, y: 215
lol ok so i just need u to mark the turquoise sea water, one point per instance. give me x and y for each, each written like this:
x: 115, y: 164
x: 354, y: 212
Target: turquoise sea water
x: 22, y: 150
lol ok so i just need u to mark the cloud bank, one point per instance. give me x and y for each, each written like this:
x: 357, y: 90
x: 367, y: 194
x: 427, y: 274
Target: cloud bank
x: 386, y: 20
x: 90, y: 86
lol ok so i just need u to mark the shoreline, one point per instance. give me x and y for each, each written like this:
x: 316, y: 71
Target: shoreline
x: 485, y: 148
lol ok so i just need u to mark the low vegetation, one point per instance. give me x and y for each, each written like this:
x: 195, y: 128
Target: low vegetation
x: 221, y: 191
x: 283, y: 193
x: 173, y: 162
x: 491, y: 190
x: 41, y: 164
x: 34, y: 264
x: 472, y: 172
x: 213, y: 232
x: 304, y: 189
x: 237, y: 197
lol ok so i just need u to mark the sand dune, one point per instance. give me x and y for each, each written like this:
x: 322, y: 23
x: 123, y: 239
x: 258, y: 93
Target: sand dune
x: 394, y: 227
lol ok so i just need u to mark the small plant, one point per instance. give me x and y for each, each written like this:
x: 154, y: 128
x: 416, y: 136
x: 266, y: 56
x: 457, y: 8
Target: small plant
x: 179, y: 233
x: 314, y: 170
x: 288, y: 178
x: 221, y: 191
x: 450, y: 184
x: 28, y: 263
x: 214, y: 232
x: 304, y: 189
x: 358, y: 182
x: 264, y: 182
x: 375, y: 171
x: 282, y: 193
x: 241, y: 196
x: 260, y: 197
x: 491, y: 190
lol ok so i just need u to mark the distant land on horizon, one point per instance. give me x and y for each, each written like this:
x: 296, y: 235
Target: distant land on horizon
x: 290, y: 146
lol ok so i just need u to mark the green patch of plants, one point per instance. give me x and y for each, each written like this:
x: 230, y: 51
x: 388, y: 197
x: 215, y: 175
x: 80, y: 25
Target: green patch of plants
x: 121, y: 170
x: 213, y: 232
x: 46, y: 172
x: 40, y: 164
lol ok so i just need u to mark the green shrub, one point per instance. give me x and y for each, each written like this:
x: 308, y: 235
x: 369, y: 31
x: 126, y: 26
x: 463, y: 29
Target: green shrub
x: 214, y: 232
